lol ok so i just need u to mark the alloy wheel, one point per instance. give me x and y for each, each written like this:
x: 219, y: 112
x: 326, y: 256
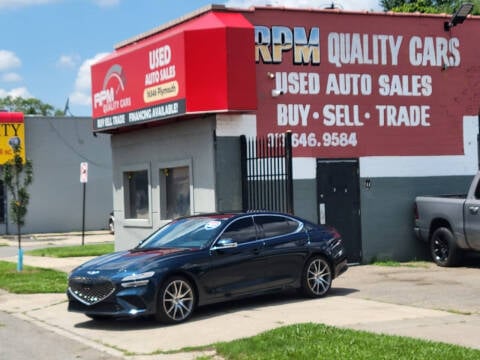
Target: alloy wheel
x: 440, y: 248
x: 319, y: 276
x: 178, y: 300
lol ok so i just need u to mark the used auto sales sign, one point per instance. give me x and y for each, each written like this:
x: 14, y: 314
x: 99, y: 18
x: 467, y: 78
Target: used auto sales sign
x: 147, y: 80
x: 136, y: 89
x: 345, y: 84
x: 352, y: 84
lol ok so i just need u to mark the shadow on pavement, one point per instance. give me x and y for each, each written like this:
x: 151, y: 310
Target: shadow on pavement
x: 470, y: 260
x: 210, y: 311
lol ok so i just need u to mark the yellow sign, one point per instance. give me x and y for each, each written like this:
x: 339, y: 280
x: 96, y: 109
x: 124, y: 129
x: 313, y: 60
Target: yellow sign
x: 161, y: 92
x: 12, y: 133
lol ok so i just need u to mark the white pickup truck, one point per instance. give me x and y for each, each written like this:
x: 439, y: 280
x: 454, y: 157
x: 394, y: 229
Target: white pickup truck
x: 450, y: 224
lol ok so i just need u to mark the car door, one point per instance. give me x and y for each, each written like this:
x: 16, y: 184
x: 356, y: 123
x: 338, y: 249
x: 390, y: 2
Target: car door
x: 285, y: 248
x: 237, y: 270
x: 472, y: 221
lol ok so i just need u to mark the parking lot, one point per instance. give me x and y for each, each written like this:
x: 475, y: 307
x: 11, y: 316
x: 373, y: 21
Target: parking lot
x: 423, y: 301
x: 423, y: 285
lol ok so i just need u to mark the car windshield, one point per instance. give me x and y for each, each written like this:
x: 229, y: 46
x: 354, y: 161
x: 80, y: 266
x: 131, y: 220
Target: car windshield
x: 195, y: 232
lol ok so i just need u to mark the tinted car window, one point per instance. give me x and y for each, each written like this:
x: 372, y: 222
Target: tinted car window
x: 242, y: 230
x: 275, y: 225
x: 186, y: 233
x: 477, y: 191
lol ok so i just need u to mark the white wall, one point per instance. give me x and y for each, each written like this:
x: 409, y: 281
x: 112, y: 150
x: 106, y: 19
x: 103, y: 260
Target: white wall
x: 57, y: 146
x: 186, y: 142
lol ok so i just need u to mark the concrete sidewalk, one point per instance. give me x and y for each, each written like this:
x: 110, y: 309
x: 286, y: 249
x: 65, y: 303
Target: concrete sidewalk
x: 225, y: 322
x: 9, y: 247
x: 56, y: 239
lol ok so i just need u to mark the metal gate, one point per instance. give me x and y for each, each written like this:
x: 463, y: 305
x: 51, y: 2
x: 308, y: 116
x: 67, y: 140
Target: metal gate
x: 267, y: 181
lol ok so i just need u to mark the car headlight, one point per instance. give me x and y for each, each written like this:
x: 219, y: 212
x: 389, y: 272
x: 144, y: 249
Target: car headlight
x: 136, y: 280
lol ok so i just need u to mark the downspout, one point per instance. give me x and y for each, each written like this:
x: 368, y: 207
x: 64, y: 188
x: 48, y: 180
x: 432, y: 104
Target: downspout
x: 478, y: 139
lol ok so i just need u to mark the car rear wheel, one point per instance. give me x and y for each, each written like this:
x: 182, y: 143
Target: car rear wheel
x: 442, y: 247
x: 176, y: 300
x: 317, y: 277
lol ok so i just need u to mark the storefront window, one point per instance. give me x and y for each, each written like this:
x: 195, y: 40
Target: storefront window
x: 176, y: 191
x: 136, y: 194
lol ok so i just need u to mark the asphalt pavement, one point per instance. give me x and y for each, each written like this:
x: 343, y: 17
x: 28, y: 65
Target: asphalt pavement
x: 424, y: 302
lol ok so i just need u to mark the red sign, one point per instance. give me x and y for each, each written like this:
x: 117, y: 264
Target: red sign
x: 131, y: 89
x: 353, y: 84
x: 196, y: 66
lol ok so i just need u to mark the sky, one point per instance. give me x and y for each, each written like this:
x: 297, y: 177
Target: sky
x: 48, y: 46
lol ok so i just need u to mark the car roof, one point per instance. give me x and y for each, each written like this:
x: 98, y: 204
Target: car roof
x: 233, y: 214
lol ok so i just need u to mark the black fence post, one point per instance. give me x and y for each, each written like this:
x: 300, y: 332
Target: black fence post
x: 243, y: 170
x: 289, y: 172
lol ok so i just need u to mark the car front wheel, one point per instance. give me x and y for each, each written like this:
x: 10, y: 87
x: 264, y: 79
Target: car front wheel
x: 317, y: 277
x: 176, y: 300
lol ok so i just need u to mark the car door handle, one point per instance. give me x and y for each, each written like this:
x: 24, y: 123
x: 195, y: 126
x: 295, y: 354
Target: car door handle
x: 473, y: 209
x: 256, y: 251
x: 301, y: 242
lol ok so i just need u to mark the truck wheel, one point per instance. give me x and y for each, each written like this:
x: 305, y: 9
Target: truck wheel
x: 443, y: 249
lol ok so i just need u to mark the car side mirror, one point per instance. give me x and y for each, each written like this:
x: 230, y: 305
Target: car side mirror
x: 226, y: 243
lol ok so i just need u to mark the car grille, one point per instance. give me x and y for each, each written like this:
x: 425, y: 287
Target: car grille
x: 90, y: 290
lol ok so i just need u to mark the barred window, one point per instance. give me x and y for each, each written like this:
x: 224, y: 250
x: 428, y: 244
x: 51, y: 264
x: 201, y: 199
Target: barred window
x: 136, y: 194
x: 175, y: 183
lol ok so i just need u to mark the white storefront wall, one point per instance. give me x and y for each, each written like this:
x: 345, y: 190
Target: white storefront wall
x: 181, y: 143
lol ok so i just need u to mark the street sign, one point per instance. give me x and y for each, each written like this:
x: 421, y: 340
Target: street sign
x: 84, y: 172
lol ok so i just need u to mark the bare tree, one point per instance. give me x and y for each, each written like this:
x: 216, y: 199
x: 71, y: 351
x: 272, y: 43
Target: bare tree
x: 18, y: 175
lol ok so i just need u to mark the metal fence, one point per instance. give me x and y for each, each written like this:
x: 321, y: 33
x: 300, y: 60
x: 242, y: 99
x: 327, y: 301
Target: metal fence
x: 267, y: 181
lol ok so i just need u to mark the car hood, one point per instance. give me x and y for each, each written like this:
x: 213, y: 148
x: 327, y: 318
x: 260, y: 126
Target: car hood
x: 129, y: 260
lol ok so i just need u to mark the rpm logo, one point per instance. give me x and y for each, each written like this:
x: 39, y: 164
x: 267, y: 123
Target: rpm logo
x: 110, y: 97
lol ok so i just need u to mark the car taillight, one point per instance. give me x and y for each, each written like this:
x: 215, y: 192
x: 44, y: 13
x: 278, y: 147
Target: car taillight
x: 334, y: 232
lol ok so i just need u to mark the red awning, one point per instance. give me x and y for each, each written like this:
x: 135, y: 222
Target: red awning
x: 203, y: 65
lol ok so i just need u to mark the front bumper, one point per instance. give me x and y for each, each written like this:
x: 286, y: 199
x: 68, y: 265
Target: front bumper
x: 101, y: 297
x: 120, y: 308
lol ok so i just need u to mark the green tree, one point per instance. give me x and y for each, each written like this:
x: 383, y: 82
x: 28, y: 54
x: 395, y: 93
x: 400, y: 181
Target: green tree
x: 428, y: 6
x: 18, y: 175
x: 30, y: 106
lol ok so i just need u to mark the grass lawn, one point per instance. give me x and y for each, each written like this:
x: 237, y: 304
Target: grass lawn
x: 31, y: 280
x: 73, y: 251
x: 318, y: 341
x: 34, y: 280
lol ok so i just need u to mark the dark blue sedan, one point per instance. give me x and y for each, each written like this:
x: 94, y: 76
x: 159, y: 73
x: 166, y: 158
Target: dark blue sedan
x: 199, y: 260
